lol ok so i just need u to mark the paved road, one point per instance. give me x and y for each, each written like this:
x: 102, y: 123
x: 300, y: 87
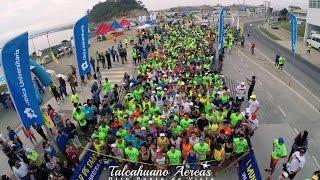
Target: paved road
x: 286, y: 108
x: 302, y: 70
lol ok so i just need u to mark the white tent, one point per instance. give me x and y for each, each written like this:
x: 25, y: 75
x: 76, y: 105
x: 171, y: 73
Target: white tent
x: 146, y: 26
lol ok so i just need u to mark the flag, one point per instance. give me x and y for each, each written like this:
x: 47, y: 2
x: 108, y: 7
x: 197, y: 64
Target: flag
x: 221, y: 30
x: 81, y: 38
x: 54, y: 59
x: 16, y: 68
x: 293, y: 22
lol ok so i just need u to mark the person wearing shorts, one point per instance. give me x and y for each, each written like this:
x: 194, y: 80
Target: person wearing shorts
x: 279, y: 151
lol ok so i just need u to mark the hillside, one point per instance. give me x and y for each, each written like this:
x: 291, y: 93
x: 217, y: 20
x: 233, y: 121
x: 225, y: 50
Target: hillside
x: 110, y: 9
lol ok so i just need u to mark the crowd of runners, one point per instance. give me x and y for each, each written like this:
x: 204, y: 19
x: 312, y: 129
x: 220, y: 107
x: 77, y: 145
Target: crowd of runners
x: 176, y: 111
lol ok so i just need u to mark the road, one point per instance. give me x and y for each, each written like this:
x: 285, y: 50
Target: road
x: 289, y: 99
x: 299, y: 68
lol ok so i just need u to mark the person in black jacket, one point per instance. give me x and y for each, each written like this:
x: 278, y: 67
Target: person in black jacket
x: 71, y: 130
x: 300, y: 141
x: 108, y: 56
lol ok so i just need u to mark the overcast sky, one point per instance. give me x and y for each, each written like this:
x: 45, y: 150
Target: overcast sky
x: 17, y: 16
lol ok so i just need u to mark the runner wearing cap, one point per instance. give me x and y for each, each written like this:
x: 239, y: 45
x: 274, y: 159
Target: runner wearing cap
x: 254, y: 104
x: 279, y: 150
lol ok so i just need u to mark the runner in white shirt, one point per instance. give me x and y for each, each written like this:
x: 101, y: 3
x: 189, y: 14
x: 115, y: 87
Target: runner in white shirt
x: 240, y: 92
x: 254, y: 104
x: 295, y: 164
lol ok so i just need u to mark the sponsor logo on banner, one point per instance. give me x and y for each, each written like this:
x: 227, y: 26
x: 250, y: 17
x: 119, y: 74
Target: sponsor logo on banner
x: 89, y: 168
x: 248, y: 167
x: 16, y: 68
x: 80, y: 33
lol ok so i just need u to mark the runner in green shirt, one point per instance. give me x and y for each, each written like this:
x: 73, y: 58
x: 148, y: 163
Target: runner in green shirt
x: 174, y: 156
x: 175, y: 129
x: 120, y: 143
x: 235, y: 118
x: 202, y: 149
x: 240, y: 145
x: 132, y: 153
x: 106, y: 86
x: 279, y: 151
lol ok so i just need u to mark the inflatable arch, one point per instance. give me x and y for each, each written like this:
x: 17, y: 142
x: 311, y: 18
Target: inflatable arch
x: 42, y: 75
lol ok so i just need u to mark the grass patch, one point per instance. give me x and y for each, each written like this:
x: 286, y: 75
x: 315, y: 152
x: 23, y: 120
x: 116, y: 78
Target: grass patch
x: 272, y: 36
x: 286, y: 25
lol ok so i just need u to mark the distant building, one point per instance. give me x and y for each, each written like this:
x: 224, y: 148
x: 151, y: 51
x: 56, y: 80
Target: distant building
x: 313, y: 16
x: 294, y: 8
x: 301, y: 15
x: 260, y: 10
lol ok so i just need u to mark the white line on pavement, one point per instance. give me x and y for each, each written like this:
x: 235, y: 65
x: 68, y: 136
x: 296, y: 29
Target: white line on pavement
x: 295, y: 130
x: 275, y: 77
x: 268, y: 92
x: 306, y: 89
x: 282, y: 111
x: 260, y: 83
x: 316, y: 162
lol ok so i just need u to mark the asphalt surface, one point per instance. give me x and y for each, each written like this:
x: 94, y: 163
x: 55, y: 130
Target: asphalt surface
x: 286, y: 109
x: 299, y: 68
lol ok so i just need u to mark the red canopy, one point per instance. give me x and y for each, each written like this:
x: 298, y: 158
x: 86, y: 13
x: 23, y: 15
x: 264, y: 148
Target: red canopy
x: 103, y: 29
x: 125, y: 23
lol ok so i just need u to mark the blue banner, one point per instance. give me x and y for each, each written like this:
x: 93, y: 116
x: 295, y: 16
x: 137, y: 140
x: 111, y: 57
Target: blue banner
x: 294, y: 26
x: 80, y: 34
x: 16, y: 68
x: 248, y: 168
x: 221, y: 30
x: 90, y: 167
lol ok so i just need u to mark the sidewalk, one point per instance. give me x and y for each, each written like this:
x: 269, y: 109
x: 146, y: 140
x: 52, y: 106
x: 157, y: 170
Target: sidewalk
x: 114, y: 75
x: 285, y: 41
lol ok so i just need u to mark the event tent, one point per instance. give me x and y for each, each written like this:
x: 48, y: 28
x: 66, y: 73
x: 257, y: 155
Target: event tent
x: 103, y: 29
x: 115, y: 25
x: 151, y: 22
x: 146, y: 26
x: 125, y: 23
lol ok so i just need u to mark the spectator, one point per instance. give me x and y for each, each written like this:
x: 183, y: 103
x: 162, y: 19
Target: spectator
x: 61, y: 141
x: 12, y: 134
x: 21, y: 171
x: 71, y: 130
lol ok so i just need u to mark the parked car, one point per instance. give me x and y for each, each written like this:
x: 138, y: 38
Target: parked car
x: 314, y: 41
x: 275, y: 26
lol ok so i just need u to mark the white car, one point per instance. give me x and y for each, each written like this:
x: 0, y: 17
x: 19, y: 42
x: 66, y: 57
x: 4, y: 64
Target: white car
x: 314, y: 41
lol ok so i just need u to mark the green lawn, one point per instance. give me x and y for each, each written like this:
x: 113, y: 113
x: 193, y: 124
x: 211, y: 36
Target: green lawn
x: 286, y: 25
x: 272, y: 36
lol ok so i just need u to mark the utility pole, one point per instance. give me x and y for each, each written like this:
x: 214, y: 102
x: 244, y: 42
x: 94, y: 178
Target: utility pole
x: 267, y: 6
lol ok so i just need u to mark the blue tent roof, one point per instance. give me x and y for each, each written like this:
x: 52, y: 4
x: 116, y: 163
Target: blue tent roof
x: 115, y: 25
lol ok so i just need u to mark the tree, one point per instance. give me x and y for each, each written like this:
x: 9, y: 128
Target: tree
x: 284, y: 14
x: 109, y: 9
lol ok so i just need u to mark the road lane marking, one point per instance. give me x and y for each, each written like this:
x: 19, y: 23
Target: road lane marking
x: 280, y: 81
x: 260, y: 83
x: 316, y: 162
x: 306, y: 89
x: 268, y: 92
x: 295, y: 130
x: 282, y: 111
